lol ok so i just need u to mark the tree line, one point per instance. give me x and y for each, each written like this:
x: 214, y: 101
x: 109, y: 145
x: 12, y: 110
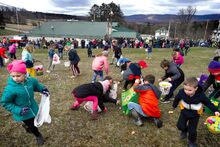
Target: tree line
x: 182, y: 26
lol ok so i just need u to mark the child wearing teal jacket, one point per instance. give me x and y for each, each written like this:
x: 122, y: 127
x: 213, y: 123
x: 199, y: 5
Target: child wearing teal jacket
x: 18, y: 97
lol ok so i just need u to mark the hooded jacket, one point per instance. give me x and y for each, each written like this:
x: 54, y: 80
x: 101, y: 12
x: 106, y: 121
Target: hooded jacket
x: 19, y: 95
x: 174, y: 72
x: 148, y: 99
x: 99, y: 62
x: 133, y: 69
x: 73, y: 56
x: 196, y: 99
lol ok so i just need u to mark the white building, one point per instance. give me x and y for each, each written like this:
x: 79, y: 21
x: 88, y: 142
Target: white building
x: 162, y: 33
x: 216, y: 34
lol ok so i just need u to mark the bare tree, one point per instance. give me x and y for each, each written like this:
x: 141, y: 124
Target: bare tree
x: 185, y: 17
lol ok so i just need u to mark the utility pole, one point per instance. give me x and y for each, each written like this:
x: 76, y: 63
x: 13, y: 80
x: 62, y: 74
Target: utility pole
x: 169, y: 30
x: 206, y: 30
x: 17, y: 21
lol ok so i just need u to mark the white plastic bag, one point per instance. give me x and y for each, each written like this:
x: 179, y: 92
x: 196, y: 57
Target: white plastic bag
x: 56, y: 59
x: 67, y: 63
x: 113, y: 90
x: 6, y: 60
x: 43, y: 114
x: 88, y: 107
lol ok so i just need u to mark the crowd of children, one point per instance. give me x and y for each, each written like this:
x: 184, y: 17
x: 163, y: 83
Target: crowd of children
x: 190, y: 98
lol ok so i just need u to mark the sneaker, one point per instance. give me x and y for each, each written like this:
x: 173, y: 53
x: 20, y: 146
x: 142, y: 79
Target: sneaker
x: 74, y: 108
x: 183, y: 135
x: 40, y: 140
x: 192, y: 144
x: 158, y: 122
x: 172, y: 98
x: 164, y: 101
x: 72, y: 77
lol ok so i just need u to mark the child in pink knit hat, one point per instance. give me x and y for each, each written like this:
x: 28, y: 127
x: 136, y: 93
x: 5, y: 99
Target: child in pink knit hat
x: 91, y: 92
x: 18, y: 97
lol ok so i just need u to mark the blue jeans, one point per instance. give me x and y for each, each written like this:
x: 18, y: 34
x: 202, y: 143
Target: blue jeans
x: 97, y: 73
x: 136, y: 107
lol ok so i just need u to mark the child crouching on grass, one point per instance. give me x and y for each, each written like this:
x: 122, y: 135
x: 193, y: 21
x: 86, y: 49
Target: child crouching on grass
x: 148, y: 102
x: 190, y: 100
x: 18, y: 97
x: 92, y: 92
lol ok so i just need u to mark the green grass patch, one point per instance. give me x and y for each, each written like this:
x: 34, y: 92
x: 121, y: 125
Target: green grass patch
x: 73, y: 128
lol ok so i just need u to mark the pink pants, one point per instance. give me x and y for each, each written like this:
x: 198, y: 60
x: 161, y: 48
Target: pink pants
x: 94, y: 99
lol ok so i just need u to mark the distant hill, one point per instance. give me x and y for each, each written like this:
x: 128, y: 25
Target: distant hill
x: 160, y: 18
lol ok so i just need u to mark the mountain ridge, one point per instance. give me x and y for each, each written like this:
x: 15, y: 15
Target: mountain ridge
x: 160, y: 18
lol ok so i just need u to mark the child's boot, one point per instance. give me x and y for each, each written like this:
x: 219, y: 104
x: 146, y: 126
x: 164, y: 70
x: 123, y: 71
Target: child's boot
x: 40, y: 140
x: 137, y: 118
x: 26, y: 128
x: 94, y: 115
x: 192, y: 144
x: 183, y: 135
x: 158, y: 122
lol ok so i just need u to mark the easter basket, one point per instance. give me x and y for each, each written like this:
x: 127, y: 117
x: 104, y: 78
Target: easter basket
x: 165, y: 87
x: 213, y: 124
x: 39, y: 68
x: 216, y: 103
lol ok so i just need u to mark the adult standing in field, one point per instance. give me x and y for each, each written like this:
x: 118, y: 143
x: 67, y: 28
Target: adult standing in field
x: 74, y: 60
x: 12, y: 51
x: 100, y: 61
x: 174, y: 75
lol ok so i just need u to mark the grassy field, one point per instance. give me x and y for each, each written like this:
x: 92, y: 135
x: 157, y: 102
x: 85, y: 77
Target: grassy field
x: 73, y: 128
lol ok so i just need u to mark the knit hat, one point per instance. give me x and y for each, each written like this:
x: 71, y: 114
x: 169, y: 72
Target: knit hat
x: 143, y: 64
x: 214, y: 67
x: 17, y: 66
x: 105, y: 53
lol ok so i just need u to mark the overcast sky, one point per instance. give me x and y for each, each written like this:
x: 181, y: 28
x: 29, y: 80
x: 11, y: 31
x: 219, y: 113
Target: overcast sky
x: 128, y: 7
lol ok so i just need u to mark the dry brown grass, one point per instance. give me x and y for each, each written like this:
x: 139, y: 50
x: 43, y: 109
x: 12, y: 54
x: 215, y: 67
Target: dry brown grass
x: 73, y: 128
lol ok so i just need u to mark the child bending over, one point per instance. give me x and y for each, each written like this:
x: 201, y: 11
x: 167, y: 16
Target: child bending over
x: 91, y: 92
x: 190, y: 100
x: 148, y: 102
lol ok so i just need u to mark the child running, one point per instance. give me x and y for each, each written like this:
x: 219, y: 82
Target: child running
x: 190, y: 100
x: 18, y: 97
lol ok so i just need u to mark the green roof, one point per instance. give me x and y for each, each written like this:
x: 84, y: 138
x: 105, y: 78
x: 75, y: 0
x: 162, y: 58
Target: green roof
x: 71, y: 29
x: 118, y: 32
x: 80, y: 29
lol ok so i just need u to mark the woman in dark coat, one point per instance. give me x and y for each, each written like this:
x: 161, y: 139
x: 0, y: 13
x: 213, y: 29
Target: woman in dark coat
x: 74, y: 60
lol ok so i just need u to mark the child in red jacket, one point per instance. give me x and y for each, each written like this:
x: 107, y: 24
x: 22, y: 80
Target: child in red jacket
x: 148, y: 101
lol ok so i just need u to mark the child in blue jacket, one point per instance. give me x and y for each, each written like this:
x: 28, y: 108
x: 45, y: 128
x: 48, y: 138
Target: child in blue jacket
x: 18, y: 97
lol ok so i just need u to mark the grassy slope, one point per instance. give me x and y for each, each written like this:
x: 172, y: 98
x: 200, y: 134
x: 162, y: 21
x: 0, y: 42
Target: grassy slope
x: 73, y: 128
x: 7, y: 32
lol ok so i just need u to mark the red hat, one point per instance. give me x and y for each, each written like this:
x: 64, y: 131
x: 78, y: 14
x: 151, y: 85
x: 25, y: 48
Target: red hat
x: 143, y: 64
x: 17, y: 66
